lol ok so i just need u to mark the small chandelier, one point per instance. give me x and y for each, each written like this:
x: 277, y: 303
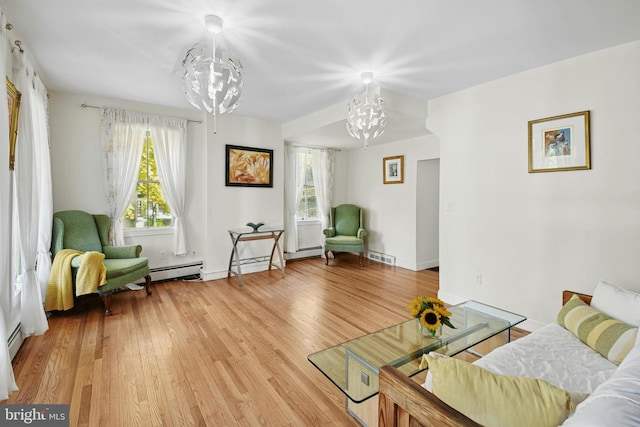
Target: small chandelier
x: 212, y: 78
x: 366, y: 119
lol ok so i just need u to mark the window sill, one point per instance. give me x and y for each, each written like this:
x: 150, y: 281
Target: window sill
x: 308, y: 221
x: 153, y: 231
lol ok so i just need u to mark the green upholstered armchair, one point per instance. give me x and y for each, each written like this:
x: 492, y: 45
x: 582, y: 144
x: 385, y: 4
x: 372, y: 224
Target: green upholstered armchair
x: 346, y: 233
x: 85, y: 232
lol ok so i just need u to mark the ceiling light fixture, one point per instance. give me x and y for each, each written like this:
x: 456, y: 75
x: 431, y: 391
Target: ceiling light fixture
x: 212, y: 78
x: 366, y: 119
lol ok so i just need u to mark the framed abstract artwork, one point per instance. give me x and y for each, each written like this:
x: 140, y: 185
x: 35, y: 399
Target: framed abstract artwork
x: 393, y: 170
x: 13, y: 98
x: 248, y: 167
x: 560, y: 143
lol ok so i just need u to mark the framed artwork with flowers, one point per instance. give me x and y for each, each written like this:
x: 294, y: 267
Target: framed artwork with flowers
x: 248, y: 167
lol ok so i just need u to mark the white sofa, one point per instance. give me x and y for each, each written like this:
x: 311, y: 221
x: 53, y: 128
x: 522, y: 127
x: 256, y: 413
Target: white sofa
x: 601, y: 392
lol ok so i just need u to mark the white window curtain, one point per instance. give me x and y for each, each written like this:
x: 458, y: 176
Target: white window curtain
x: 7, y: 379
x: 122, y: 139
x: 322, y: 164
x: 32, y: 141
x: 40, y: 120
x: 294, y: 181
x: 169, y: 144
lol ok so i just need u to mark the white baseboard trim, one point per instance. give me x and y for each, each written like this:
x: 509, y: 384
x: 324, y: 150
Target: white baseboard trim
x: 246, y: 269
x: 428, y: 264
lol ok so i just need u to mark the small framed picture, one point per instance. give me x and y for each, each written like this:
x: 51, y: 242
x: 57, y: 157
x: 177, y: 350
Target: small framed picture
x: 248, y: 167
x: 393, y: 170
x: 560, y: 143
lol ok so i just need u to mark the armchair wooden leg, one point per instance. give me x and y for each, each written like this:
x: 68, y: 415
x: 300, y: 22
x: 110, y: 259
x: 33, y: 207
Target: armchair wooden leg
x: 326, y: 257
x: 147, y: 285
x: 106, y: 299
x: 360, y: 258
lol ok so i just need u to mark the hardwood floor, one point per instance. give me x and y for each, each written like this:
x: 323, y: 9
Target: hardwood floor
x: 211, y: 353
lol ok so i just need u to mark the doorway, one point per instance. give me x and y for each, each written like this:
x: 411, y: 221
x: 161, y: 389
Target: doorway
x: 428, y: 214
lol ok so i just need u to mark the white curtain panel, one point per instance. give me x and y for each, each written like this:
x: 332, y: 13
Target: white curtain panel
x: 169, y: 137
x: 38, y: 93
x: 322, y: 164
x: 7, y: 379
x: 293, y: 183
x: 122, y: 139
x: 32, y: 316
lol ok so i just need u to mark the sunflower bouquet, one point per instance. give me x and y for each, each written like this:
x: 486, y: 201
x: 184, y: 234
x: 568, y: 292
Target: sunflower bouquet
x: 432, y: 313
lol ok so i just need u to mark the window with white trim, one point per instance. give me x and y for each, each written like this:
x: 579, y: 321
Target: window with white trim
x: 149, y: 208
x: 307, y: 206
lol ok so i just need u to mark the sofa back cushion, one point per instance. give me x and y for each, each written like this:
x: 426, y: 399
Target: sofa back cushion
x: 497, y: 400
x: 617, y: 302
x: 608, y: 336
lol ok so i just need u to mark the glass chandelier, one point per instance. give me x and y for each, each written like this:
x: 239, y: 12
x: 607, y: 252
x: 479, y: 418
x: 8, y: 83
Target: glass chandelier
x: 366, y: 119
x: 212, y: 78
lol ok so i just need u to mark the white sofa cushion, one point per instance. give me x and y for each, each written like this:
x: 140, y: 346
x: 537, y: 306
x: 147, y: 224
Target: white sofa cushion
x: 616, y: 402
x: 617, y: 302
x: 553, y: 354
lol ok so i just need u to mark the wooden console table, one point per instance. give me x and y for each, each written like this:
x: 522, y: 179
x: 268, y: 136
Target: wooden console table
x: 247, y: 235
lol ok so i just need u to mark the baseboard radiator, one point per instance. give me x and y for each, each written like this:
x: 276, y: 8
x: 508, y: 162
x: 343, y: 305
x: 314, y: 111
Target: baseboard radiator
x: 15, y: 341
x: 175, y: 271
x: 304, y: 253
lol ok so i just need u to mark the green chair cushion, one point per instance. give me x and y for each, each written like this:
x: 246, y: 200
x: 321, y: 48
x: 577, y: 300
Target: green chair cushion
x: 120, y: 267
x: 343, y: 240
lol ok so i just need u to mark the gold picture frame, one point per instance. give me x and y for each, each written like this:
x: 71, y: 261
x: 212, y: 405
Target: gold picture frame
x: 13, y: 98
x: 393, y: 170
x: 560, y: 143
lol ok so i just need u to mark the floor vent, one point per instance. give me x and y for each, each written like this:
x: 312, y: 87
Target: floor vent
x: 380, y: 257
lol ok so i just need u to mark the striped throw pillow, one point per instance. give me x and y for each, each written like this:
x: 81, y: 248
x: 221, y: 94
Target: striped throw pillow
x: 610, y: 337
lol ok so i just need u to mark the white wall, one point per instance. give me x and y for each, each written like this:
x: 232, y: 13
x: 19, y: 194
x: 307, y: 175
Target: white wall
x: 390, y: 209
x: 233, y: 207
x: 532, y: 235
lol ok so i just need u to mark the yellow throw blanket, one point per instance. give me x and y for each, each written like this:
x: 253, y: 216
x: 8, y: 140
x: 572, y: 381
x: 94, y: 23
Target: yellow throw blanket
x: 91, y: 274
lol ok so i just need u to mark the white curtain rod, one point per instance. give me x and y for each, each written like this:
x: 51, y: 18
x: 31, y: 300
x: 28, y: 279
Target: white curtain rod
x: 93, y: 106
x: 312, y: 146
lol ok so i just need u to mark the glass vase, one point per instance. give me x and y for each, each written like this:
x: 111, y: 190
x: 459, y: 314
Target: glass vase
x: 428, y: 333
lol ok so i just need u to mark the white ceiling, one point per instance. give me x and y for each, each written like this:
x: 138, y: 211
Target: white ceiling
x: 301, y: 56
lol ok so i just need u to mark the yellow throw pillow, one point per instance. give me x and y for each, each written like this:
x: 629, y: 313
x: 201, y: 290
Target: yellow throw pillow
x: 608, y: 336
x: 498, y: 400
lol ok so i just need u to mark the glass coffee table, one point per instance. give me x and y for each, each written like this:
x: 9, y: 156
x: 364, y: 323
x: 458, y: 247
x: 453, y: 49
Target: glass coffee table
x: 353, y: 366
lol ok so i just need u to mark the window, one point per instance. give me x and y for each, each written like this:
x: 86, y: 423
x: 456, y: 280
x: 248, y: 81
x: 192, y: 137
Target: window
x: 149, y: 207
x: 307, y: 202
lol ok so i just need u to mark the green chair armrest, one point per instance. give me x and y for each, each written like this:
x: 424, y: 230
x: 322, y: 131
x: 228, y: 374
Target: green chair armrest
x: 329, y: 232
x: 361, y: 233
x: 115, y: 252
